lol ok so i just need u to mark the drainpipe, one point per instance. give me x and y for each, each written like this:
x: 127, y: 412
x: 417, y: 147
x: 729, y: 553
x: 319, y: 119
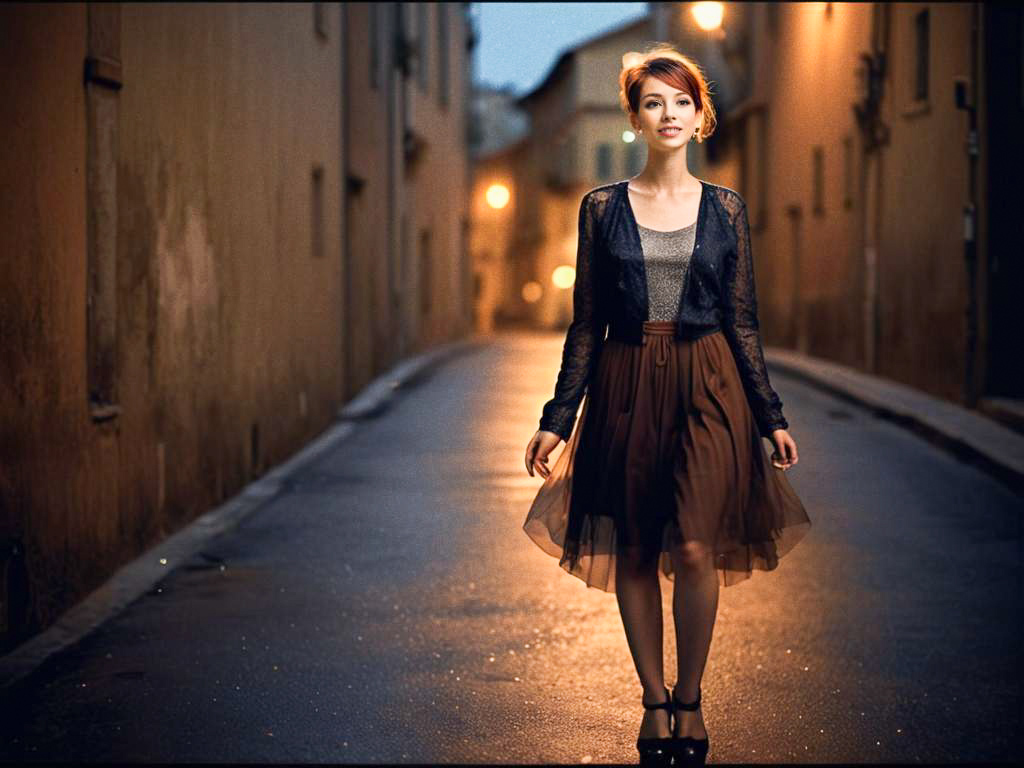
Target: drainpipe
x: 347, y: 333
x: 874, y: 131
x: 966, y: 98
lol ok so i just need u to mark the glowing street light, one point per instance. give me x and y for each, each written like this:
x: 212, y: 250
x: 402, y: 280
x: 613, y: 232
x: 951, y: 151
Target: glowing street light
x: 532, y: 291
x: 708, y: 15
x: 563, y: 276
x: 497, y: 196
x: 628, y: 136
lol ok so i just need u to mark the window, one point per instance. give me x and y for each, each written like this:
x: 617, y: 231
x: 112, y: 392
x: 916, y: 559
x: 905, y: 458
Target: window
x: 374, y: 45
x: 847, y: 172
x: 442, y: 54
x: 760, y: 136
x: 422, y: 47
x: 921, y: 53
x: 635, y: 157
x: 563, y: 160
x: 718, y: 145
x: 255, y: 462
x: 426, y: 278
x: 466, y: 264
x: 396, y: 258
x: 746, y: 159
x: 102, y: 126
x: 818, y: 180
x: 570, y: 161
x: 317, y: 213
x: 320, y: 20
x: 604, y: 161
x: 772, y: 19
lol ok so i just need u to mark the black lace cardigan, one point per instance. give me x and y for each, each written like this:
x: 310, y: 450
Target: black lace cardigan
x: 610, y: 295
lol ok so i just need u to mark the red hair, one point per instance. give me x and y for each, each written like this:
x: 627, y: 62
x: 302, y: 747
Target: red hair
x: 665, y: 63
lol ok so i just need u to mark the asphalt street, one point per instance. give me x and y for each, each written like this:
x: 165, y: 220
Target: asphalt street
x: 386, y: 606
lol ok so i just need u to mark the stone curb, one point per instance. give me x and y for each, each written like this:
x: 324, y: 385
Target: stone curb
x: 137, y: 577
x: 971, y: 436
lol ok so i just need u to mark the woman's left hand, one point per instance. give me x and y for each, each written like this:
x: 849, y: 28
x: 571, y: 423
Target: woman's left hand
x: 785, y: 455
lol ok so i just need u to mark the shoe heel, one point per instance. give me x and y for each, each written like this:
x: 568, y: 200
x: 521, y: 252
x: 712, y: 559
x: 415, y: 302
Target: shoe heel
x: 655, y: 750
x: 687, y: 750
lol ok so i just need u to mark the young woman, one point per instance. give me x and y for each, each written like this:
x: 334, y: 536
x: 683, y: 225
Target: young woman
x: 665, y: 470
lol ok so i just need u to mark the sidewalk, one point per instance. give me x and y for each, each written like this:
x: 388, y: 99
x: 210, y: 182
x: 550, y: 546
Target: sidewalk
x: 971, y: 436
x: 137, y: 577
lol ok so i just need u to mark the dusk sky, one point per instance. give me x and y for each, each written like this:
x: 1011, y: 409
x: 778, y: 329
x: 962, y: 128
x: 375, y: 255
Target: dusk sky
x: 520, y: 42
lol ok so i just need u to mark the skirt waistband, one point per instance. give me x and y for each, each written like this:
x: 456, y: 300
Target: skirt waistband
x: 659, y: 327
x: 629, y: 331
x: 660, y: 333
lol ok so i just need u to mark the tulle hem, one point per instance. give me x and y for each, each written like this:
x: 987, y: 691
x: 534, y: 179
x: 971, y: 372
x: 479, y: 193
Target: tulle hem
x: 594, y: 565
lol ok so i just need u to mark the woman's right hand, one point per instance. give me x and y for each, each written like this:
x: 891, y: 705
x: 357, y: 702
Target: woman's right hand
x: 541, y: 444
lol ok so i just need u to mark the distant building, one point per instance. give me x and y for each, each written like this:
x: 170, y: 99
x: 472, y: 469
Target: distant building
x: 575, y: 142
x: 496, y: 120
x: 843, y: 133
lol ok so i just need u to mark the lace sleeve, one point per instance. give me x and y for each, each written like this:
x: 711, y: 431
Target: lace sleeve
x: 586, y: 332
x: 741, y: 325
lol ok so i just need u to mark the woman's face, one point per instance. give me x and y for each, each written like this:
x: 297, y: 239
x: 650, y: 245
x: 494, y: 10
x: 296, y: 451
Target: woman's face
x: 662, y: 106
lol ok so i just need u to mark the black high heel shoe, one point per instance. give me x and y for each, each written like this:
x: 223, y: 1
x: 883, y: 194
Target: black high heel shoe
x: 685, y: 749
x: 657, y: 750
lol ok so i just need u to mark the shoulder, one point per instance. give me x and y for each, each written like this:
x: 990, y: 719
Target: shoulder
x: 596, y: 199
x: 601, y: 193
x: 728, y: 198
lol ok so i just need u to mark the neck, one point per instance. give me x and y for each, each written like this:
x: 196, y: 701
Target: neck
x: 666, y: 173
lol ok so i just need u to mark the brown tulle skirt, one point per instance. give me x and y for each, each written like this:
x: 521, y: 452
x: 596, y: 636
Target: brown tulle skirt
x: 666, y: 451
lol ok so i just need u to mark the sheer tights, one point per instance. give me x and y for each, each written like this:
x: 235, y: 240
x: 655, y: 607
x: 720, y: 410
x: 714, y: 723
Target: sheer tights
x: 694, y: 608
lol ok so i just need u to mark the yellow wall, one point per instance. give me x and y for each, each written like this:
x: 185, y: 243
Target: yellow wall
x: 238, y: 333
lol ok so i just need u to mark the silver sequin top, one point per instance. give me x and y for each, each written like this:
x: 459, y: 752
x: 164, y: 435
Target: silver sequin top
x: 666, y: 260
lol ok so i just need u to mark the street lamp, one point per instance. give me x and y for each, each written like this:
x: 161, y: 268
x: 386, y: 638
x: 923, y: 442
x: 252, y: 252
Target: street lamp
x: 532, y: 292
x: 563, y: 276
x: 497, y: 196
x: 708, y: 15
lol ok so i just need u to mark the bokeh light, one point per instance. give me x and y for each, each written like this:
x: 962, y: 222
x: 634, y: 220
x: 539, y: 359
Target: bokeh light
x: 564, y: 276
x: 708, y: 15
x: 497, y: 196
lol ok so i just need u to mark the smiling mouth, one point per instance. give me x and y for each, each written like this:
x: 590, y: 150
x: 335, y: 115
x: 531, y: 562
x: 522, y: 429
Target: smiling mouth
x: 669, y: 131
